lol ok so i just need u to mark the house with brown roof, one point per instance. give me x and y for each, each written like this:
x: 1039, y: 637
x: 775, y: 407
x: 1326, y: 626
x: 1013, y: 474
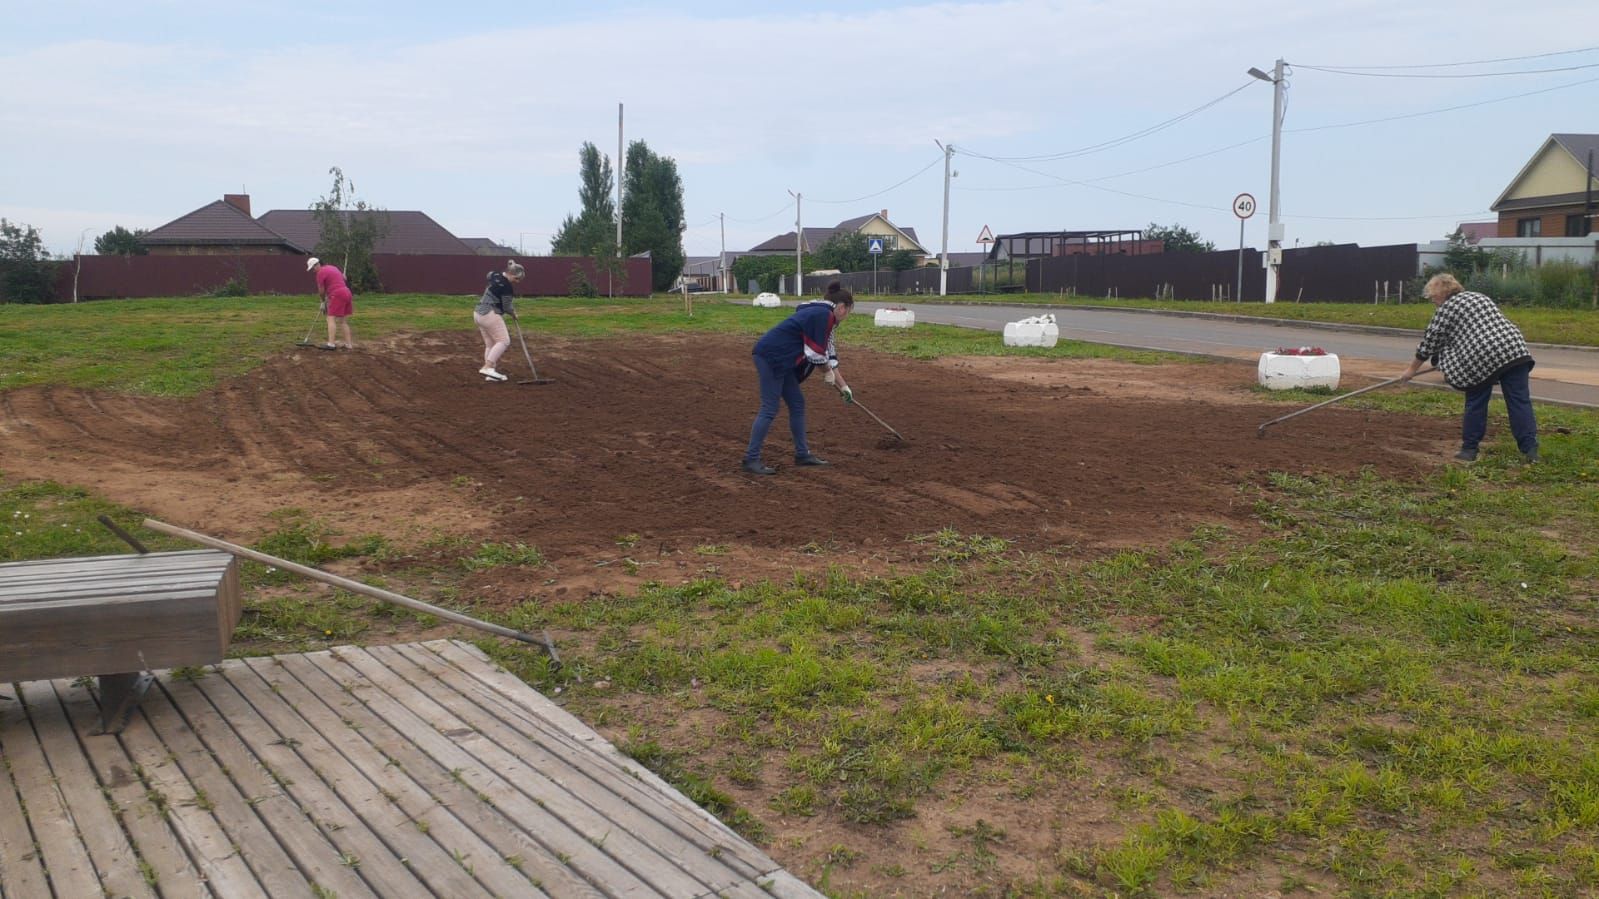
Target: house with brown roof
x: 407, y: 231
x: 225, y: 227
x: 875, y: 225
x: 484, y: 246
x: 1556, y: 194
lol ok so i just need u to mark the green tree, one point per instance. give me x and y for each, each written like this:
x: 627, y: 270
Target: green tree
x: 902, y: 260
x: 593, y: 231
x: 351, y: 229
x: 846, y: 251
x: 767, y: 269
x: 1463, y: 257
x: 119, y: 241
x: 1178, y: 239
x: 25, y: 267
x: 652, y: 213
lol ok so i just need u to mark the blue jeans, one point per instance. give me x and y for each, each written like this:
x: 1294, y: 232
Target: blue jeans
x: 777, y: 382
x: 1518, y: 401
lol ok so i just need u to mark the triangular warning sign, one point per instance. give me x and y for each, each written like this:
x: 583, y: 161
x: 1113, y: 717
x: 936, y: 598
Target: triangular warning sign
x: 986, y: 237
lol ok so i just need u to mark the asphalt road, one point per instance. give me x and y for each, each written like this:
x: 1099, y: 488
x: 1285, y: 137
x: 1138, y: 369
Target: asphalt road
x: 1562, y: 375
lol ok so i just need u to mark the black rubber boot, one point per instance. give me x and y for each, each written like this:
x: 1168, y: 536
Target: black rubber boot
x: 810, y: 459
x: 758, y: 467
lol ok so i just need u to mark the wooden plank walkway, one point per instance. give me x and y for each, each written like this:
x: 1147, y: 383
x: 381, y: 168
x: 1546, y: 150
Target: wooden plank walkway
x: 412, y: 770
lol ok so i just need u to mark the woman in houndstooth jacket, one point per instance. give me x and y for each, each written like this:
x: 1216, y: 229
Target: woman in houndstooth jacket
x: 1475, y: 346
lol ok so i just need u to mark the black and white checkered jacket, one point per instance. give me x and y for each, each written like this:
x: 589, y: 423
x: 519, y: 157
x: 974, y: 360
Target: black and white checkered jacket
x: 1471, y: 341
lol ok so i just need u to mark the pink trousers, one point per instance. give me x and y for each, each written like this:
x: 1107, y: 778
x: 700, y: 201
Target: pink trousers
x: 495, y: 338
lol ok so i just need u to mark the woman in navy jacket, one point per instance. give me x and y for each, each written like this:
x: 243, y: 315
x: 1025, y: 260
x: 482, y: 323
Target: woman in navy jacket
x: 787, y: 355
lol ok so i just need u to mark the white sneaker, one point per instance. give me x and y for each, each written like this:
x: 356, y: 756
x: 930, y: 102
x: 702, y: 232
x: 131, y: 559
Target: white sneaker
x: 490, y: 374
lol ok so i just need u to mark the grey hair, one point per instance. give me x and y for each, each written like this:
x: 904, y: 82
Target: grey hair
x: 512, y: 267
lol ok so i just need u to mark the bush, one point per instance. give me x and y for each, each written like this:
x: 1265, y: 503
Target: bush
x: 578, y: 284
x: 1510, y: 281
x: 237, y: 286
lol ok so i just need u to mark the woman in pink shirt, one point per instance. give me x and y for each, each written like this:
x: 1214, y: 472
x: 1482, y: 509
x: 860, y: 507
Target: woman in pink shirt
x: 337, y: 301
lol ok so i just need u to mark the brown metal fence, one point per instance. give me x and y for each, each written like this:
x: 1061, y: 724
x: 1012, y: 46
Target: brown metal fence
x: 1345, y: 273
x: 126, y: 277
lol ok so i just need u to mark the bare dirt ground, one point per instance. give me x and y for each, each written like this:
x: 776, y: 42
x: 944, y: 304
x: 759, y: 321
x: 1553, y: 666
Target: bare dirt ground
x: 626, y: 470
x: 639, y: 442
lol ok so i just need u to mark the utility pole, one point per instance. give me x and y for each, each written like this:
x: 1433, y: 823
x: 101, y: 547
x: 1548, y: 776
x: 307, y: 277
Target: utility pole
x: 943, y: 250
x: 721, y: 217
x: 621, y: 169
x: 799, y: 245
x: 1274, y: 228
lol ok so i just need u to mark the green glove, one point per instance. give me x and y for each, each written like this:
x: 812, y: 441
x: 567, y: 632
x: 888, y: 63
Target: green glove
x: 847, y: 394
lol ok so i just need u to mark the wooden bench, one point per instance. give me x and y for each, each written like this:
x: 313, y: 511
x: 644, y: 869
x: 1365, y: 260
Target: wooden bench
x: 116, y: 617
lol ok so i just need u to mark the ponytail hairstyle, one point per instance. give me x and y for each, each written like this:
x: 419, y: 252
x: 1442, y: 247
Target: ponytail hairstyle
x: 837, y: 295
x: 515, y: 269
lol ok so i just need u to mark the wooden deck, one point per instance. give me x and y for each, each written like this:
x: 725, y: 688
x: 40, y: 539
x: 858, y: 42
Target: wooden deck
x: 399, y: 771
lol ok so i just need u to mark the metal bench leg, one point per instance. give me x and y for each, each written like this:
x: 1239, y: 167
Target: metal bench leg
x: 119, y: 696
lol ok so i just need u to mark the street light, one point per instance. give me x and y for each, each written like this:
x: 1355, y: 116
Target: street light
x: 1274, y: 228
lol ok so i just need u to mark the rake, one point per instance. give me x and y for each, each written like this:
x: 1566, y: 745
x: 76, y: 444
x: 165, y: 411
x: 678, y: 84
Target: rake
x: 897, y: 435
x: 306, y: 340
x: 528, y: 356
x: 1336, y: 399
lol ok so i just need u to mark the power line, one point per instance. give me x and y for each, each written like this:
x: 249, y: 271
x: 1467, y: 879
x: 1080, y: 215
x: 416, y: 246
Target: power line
x: 1393, y: 118
x: 1242, y: 143
x: 768, y: 217
x: 1389, y: 218
x: 1591, y: 65
x: 1472, y: 62
x: 886, y: 189
x: 1115, y: 142
x: 1428, y: 112
x: 1111, y: 190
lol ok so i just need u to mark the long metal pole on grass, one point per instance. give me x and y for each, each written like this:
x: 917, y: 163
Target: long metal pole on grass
x: 352, y: 586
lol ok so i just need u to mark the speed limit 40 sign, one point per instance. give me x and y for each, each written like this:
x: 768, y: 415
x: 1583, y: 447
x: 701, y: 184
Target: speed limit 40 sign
x: 1244, y: 205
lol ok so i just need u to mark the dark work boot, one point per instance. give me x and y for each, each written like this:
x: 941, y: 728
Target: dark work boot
x: 1466, y: 455
x: 810, y: 459
x: 758, y: 467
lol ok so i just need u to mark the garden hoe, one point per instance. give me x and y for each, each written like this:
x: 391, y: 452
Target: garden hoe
x: 1336, y: 399
x: 528, y: 356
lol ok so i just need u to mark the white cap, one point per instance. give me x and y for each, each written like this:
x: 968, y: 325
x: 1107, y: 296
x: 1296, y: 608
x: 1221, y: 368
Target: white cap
x: 312, y: 263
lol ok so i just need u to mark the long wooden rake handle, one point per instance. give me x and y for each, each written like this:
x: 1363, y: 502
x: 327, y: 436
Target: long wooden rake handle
x: 879, y: 420
x: 1336, y: 399
x: 352, y: 586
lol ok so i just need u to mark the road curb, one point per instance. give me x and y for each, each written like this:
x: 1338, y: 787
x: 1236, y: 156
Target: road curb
x: 1222, y: 316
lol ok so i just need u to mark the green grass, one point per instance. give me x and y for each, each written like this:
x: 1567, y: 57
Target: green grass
x: 179, y: 347
x: 1389, y: 689
x: 1541, y: 325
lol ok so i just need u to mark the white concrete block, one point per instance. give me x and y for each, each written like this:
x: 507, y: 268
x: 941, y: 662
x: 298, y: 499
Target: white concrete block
x: 1039, y: 330
x: 1280, y: 372
x: 894, y: 318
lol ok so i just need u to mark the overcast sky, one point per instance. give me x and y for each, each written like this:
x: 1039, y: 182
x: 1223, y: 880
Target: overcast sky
x: 136, y: 113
